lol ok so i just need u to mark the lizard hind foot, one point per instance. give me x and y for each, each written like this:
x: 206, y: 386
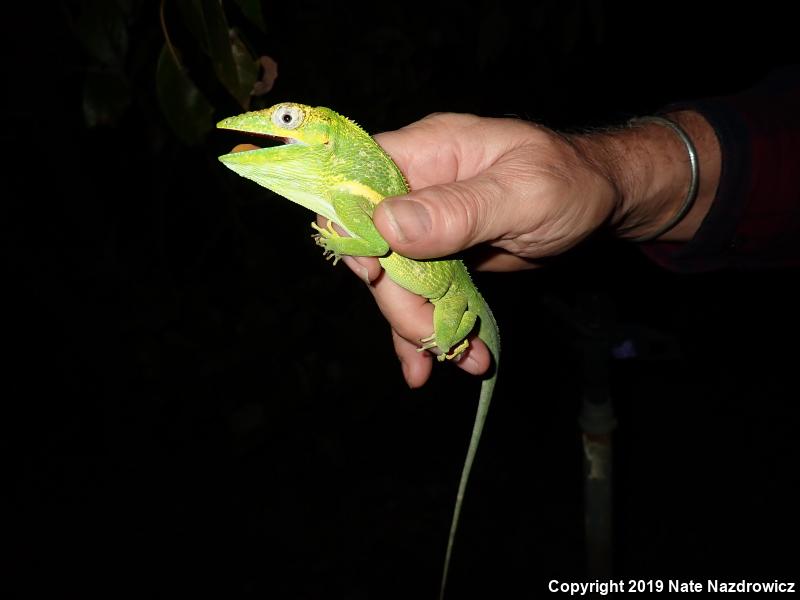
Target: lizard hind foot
x: 457, y: 351
x: 429, y: 343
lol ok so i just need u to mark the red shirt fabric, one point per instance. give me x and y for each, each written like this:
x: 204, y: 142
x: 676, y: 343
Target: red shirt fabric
x: 754, y: 222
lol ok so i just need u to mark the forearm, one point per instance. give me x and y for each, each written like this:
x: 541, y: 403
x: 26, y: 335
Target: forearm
x: 531, y: 193
x: 650, y: 169
x: 747, y: 212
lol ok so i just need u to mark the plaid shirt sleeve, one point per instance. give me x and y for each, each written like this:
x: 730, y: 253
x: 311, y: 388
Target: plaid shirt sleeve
x: 754, y: 222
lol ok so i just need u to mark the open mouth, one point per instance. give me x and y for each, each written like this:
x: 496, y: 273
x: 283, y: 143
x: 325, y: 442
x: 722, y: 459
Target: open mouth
x: 244, y: 148
x: 271, y: 141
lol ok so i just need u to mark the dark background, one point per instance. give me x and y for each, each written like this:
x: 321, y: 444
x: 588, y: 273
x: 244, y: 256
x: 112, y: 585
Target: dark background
x: 195, y: 402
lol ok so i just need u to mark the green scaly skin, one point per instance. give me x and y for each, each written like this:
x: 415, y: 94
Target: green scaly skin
x: 331, y: 166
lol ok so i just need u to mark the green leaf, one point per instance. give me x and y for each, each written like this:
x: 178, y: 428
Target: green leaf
x: 194, y: 19
x: 106, y: 96
x: 252, y: 10
x: 246, y: 70
x: 219, y: 44
x: 235, y: 75
x: 186, y: 109
x: 234, y: 65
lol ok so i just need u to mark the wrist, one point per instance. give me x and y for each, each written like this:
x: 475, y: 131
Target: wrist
x: 694, y: 176
x: 649, y: 165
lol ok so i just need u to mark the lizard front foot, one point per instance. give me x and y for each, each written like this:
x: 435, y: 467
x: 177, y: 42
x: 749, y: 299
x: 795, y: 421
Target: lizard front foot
x: 322, y: 237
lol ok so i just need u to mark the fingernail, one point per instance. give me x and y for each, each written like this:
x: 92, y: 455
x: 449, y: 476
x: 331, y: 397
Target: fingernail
x: 357, y: 268
x: 470, y: 364
x: 362, y: 273
x: 408, y: 219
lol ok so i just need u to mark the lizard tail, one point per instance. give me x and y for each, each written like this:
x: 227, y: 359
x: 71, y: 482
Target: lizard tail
x: 488, y: 332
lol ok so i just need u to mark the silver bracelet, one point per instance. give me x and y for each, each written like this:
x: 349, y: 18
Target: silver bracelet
x: 693, y: 185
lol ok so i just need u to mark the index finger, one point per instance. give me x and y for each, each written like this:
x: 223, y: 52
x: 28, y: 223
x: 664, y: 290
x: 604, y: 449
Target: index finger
x: 411, y: 319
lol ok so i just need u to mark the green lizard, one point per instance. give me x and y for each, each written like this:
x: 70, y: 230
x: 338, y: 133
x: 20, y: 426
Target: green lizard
x: 331, y: 166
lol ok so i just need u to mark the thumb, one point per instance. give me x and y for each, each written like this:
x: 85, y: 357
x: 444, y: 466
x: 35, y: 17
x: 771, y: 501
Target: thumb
x: 436, y: 221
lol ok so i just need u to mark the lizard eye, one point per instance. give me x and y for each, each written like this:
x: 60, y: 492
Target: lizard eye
x: 288, y: 117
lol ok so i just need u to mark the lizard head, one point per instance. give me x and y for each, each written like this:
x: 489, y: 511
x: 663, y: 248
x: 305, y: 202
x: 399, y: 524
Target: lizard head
x: 317, y: 150
x: 296, y: 167
x: 288, y: 122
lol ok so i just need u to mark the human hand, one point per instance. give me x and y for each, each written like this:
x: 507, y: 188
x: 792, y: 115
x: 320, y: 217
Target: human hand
x: 519, y: 187
x: 523, y: 190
